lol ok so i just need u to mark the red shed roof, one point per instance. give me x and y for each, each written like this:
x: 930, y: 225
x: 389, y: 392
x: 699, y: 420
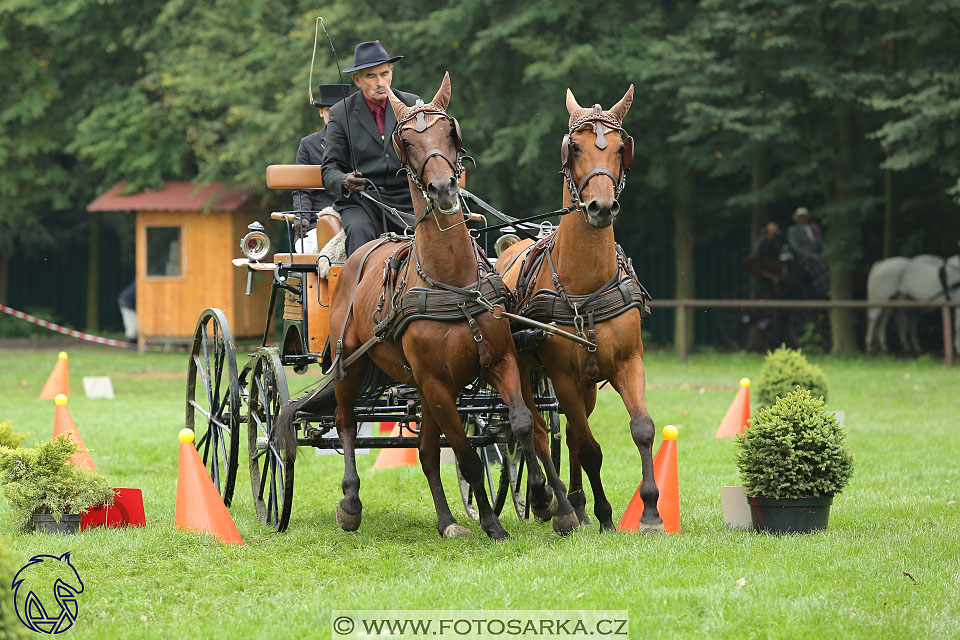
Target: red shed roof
x: 173, y: 196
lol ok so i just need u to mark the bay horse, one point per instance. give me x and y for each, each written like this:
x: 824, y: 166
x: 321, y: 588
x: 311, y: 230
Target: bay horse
x: 579, y: 276
x: 424, y: 322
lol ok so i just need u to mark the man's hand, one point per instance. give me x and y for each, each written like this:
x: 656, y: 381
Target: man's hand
x: 353, y: 182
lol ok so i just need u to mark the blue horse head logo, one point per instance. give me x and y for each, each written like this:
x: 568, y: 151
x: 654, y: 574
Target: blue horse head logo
x: 32, y: 586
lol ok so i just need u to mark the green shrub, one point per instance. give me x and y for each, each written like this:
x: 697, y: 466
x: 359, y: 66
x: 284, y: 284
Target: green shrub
x: 782, y: 371
x: 8, y: 437
x: 40, y: 479
x: 794, y: 449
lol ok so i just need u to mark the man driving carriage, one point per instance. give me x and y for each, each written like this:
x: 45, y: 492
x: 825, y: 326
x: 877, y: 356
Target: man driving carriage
x: 365, y: 121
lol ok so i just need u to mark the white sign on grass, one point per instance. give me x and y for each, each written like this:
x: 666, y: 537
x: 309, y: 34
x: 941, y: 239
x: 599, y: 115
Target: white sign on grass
x: 98, y: 387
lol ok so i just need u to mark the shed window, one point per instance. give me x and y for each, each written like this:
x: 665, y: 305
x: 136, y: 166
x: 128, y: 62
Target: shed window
x: 163, y: 251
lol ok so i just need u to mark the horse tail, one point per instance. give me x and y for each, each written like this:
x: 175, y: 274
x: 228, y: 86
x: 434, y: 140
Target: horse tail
x: 284, y: 434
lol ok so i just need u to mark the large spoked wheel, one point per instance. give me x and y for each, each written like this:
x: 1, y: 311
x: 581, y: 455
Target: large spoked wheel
x: 213, y: 392
x: 271, y: 468
x: 491, y: 461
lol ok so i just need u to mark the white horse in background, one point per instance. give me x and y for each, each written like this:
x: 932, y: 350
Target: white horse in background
x: 917, y: 278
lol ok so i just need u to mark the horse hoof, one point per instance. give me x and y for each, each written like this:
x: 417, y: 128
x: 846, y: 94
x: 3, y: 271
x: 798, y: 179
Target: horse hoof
x: 456, y: 530
x: 499, y: 536
x: 546, y: 514
x: 347, y: 521
x: 563, y: 525
x: 650, y: 528
x: 583, y: 517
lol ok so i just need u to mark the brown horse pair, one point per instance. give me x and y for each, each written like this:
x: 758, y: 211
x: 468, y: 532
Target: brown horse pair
x: 441, y: 357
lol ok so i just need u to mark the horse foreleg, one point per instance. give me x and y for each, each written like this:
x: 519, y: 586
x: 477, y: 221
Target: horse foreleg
x: 350, y: 508
x: 504, y: 376
x: 873, y: 316
x: 447, y: 525
x: 630, y: 383
x: 443, y: 409
x: 560, y: 510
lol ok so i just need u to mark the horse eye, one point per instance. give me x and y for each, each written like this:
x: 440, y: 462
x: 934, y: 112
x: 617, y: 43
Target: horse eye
x: 575, y: 147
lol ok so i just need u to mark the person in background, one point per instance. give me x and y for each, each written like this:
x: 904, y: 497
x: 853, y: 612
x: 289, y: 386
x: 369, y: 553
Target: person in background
x: 806, y: 241
x: 313, y: 201
x: 128, y: 310
x: 371, y: 121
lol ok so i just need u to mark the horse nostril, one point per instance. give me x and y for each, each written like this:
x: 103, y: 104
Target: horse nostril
x: 432, y: 189
x: 593, y: 208
x: 615, y: 208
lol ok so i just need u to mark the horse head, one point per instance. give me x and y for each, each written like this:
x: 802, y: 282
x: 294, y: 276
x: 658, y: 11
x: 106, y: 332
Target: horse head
x: 428, y: 143
x: 597, y: 147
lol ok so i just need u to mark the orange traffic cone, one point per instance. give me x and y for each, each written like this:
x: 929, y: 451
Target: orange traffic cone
x: 387, y: 427
x: 199, y: 506
x: 665, y: 474
x: 738, y: 414
x: 402, y: 457
x: 59, y: 380
x: 63, y: 425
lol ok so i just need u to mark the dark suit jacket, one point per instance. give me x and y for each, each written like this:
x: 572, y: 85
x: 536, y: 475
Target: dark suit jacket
x: 376, y: 159
x: 311, y: 152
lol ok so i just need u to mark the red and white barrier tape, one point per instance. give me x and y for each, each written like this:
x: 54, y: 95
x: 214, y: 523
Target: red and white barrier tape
x: 46, y: 324
x: 110, y: 342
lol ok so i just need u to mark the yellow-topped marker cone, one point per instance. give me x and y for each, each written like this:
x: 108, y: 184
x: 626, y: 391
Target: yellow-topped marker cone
x: 738, y: 415
x: 63, y: 425
x: 199, y: 506
x: 665, y: 475
x: 58, y: 381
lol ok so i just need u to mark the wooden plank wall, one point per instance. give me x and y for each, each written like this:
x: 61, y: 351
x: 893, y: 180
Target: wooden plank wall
x: 168, y: 307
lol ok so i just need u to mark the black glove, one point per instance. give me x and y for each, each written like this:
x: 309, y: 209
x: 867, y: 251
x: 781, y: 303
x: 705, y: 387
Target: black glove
x: 353, y: 182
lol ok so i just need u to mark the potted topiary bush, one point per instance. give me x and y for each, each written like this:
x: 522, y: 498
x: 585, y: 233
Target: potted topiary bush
x: 45, y: 491
x: 793, y: 461
x: 783, y: 370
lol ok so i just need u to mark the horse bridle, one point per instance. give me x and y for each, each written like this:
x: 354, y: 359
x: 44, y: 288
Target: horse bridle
x: 601, y: 122
x: 419, y: 113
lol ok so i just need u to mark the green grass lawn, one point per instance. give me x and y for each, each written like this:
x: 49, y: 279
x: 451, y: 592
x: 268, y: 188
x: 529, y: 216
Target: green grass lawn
x: 895, y: 518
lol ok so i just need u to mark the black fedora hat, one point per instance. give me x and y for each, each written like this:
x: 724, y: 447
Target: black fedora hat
x: 330, y: 94
x: 369, y: 54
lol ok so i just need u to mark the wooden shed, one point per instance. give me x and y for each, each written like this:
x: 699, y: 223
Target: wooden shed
x: 186, y: 237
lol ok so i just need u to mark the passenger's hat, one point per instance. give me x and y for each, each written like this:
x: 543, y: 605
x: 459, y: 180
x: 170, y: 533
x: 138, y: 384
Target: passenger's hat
x: 801, y: 211
x: 328, y: 95
x: 369, y: 54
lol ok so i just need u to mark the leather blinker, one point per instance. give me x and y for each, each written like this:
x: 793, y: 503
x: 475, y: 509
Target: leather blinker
x: 565, y: 150
x: 626, y: 152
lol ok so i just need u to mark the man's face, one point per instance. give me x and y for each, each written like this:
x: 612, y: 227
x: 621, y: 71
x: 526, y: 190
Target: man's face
x: 374, y: 81
x: 324, y: 113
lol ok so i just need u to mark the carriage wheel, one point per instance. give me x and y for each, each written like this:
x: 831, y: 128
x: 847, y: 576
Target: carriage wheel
x: 271, y: 468
x: 213, y: 363
x: 491, y: 456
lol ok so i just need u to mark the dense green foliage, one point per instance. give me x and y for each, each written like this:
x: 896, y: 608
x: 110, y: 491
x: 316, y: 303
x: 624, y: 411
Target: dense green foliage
x: 744, y: 110
x: 9, y: 437
x: 40, y: 479
x: 794, y: 449
x: 783, y: 370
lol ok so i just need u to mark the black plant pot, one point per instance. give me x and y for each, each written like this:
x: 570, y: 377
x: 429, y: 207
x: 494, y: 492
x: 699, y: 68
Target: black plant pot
x: 789, y: 515
x: 69, y: 523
